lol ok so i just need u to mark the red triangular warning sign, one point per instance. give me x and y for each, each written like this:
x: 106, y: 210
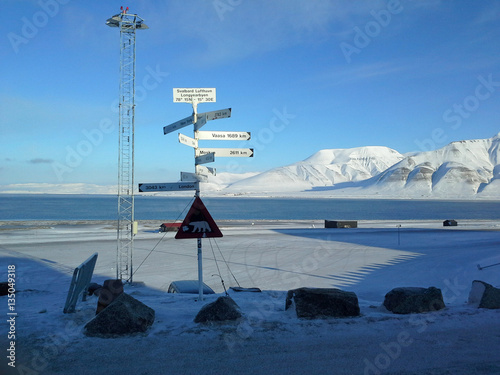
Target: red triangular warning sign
x: 198, y: 223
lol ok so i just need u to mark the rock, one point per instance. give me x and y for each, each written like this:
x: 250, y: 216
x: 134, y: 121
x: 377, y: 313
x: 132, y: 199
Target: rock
x: 414, y: 300
x: 110, y: 290
x: 224, y: 308
x: 484, y: 295
x: 4, y: 289
x: 124, y: 316
x: 94, y: 289
x: 322, y: 302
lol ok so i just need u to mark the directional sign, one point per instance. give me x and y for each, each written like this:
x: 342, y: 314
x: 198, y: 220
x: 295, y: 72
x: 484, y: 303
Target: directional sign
x: 202, y: 119
x: 203, y: 159
x: 201, y: 169
x: 215, y: 115
x: 190, y: 95
x: 188, y: 141
x: 225, y: 136
x: 178, y: 125
x: 227, y: 152
x: 198, y: 223
x: 188, y: 176
x: 168, y: 186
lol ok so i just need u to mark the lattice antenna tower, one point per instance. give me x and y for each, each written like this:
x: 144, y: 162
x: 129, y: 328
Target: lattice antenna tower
x: 128, y: 24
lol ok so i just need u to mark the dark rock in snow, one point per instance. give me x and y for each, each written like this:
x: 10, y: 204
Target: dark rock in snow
x: 484, y: 295
x: 108, y: 293
x: 414, y: 300
x: 124, y: 316
x: 322, y: 302
x: 224, y: 308
x: 94, y: 288
x: 4, y: 289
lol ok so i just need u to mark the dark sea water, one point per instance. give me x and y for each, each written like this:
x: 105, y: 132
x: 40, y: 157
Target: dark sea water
x: 104, y: 207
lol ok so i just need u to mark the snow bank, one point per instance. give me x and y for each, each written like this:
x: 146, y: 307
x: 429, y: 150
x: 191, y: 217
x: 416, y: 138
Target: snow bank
x: 275, y: 256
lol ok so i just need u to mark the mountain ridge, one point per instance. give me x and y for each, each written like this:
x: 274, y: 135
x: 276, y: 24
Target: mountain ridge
x: 461, y: 169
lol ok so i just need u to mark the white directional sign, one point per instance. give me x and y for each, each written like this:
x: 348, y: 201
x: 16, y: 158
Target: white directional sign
x: 226, y: 152
x: 203, y: 159
x: 201, y: 169
x: 188, y: 141
x: 190, y: 95
x: 168, y: 186
x: 225, y: 136
x: 178, y: 124
x: 188, y: 176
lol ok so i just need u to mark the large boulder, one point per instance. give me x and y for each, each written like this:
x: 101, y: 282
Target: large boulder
x: 414, y: 300
x: 124, y: 316
x: 484, y: 295
x: 222, y: 309
x: 4, y: 289
x: 322, y: 302
x: 110, y: 290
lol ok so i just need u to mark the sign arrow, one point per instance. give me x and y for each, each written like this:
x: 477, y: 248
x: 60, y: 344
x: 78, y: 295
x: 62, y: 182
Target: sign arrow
x: 227, y: 152
x: 201, y: 169
x: 215, y: 115
x: 203, y: 159
x: 168, y: 186
x: 202, y: 119
x: 224, y: 136
x: 178, y: 125
x: 188, y: 141
x: 188, y: 176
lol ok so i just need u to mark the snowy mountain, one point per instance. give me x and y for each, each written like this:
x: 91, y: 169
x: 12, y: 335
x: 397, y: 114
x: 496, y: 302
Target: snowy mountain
x: 324, y: 168
x: 463, y: 169
x: 460, y: 169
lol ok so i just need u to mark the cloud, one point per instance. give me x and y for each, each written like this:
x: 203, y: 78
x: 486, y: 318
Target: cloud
x: 40, y: 161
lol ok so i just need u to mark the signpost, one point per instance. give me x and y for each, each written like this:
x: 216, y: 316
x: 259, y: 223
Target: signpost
x: 198, y: 222
x: 168, y: 186
x: 178, y: 124
x: 188, y: 141
x: 188, y: 176
x: 201, y: 95
x: 224, y: 136
x: 204, y: 159
x: 226, y: 152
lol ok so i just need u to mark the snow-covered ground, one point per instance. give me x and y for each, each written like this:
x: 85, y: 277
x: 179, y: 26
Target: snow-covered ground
x: 274, y: 256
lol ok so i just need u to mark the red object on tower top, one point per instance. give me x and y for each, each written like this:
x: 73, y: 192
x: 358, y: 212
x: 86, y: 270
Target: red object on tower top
x: 124, y: 11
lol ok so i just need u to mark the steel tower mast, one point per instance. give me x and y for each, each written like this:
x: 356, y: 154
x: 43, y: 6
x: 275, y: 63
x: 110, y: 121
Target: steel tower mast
x: 126, y: 228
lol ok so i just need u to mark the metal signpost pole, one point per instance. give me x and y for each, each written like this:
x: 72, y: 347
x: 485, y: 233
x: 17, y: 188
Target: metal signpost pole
x: 191, y: 181
x: 194, y: 103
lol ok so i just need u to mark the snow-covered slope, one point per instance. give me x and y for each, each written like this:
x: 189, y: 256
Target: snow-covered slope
x: 324, y: 168
x: 460, y: 169
x: 463, y: 169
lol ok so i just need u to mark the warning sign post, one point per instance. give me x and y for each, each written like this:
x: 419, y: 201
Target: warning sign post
x: 198, y: 223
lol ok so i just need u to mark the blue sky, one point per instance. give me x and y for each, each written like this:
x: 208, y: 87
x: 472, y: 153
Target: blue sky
x: 301, y: 76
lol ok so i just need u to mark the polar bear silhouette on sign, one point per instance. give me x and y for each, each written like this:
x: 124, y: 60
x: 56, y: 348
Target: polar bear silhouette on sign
x: 199, y: 226
x: 198, y: 222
